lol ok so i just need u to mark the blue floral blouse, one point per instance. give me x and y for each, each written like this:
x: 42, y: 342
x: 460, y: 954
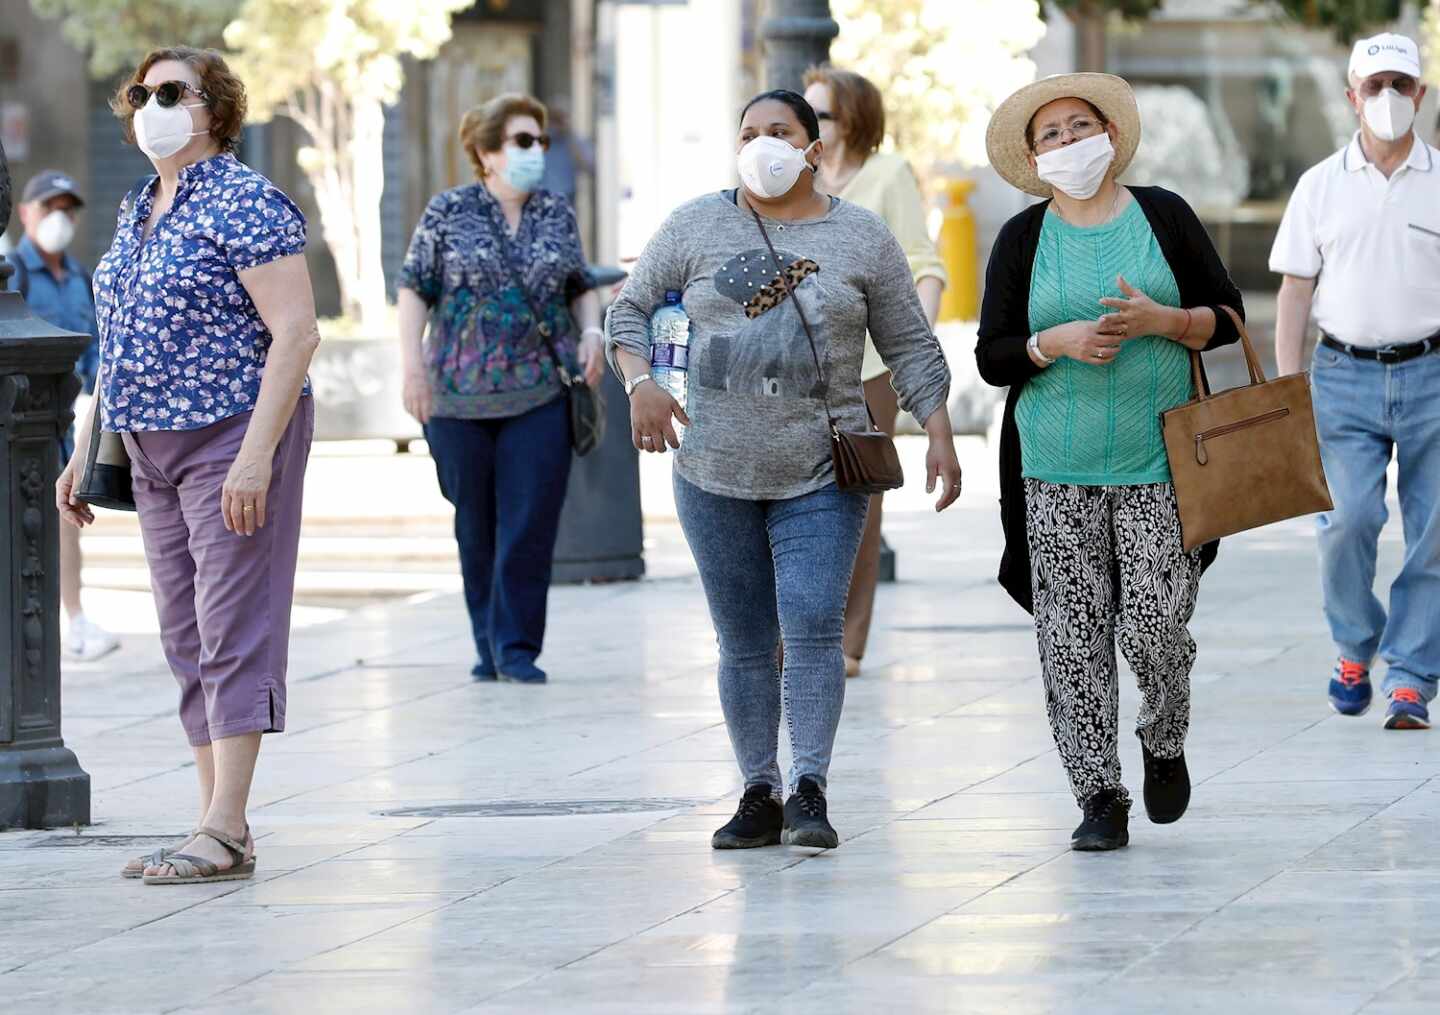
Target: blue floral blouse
x: 483, y: 357
x: 181, y: 343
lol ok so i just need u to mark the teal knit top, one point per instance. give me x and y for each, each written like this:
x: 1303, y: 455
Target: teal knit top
x: 1099, y: 425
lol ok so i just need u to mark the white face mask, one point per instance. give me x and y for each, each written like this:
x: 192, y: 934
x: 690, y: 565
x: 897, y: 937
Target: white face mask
x: 162, y: 132
x: 55, y: 232
x: 769, y: 166
x: 1389, y: 114
x: 1077, y: 169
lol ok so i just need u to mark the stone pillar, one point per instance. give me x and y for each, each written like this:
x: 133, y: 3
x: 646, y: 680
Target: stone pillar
x: 41, y: 782
x: 797, y: 35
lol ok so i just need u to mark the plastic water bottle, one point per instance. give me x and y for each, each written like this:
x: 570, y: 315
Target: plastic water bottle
x: 670, y: 350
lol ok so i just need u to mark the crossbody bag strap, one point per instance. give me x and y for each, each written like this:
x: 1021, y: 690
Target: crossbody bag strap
x: 809, y: 335
x: 540, y: 324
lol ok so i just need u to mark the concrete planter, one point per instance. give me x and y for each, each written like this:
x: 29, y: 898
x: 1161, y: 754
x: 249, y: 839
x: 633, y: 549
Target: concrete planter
x: 357, y: 384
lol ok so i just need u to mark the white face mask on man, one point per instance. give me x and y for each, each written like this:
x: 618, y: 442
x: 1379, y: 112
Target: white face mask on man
x: 55, y: 231
x: 1389, y: 114
x: 1077, y: 169
x: 769, y: 166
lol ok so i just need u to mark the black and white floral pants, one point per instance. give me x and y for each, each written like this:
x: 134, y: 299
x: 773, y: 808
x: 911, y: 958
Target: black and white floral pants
x: 1107, y: 565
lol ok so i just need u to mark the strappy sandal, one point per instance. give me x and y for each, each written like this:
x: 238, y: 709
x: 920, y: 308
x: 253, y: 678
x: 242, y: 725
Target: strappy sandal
x: 196, y: 870
x: 135, y: 869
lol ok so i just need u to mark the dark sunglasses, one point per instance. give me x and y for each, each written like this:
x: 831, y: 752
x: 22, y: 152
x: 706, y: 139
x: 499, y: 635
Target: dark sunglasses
x: 524, y: 139
x: 167, y: 94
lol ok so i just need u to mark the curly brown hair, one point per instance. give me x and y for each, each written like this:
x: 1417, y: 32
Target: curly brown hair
x: 483, y: 128
x: 224, y: 93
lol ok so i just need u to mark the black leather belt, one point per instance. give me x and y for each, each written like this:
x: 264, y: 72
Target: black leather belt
x: 1388, y: 354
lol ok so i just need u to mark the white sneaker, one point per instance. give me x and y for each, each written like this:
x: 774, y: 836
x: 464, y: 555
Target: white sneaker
x: 86, y: 642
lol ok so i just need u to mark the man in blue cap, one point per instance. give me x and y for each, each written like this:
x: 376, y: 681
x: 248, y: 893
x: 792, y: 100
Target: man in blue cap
x: 57, y: 288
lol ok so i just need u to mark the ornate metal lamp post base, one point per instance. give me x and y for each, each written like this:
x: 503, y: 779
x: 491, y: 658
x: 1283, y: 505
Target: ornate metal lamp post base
x: 797, y: 35
x: 41, y: 782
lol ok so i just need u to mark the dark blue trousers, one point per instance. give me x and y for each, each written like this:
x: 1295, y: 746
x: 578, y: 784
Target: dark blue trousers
x: 506, y: 478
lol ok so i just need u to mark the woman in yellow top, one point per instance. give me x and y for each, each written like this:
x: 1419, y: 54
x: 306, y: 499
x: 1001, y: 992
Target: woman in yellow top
x: 852, y: 125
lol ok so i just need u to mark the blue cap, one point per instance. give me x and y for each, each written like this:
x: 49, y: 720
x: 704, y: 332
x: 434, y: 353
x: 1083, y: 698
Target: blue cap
x: 673, y: 295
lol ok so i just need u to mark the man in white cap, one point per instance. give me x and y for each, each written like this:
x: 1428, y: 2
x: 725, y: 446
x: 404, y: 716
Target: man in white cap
x: 57, y: 288
x: 1360, y: 247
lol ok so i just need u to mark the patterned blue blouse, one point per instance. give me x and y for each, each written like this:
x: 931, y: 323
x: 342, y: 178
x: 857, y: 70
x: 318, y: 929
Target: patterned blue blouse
x: 181, y: 343
x: 483, y: 357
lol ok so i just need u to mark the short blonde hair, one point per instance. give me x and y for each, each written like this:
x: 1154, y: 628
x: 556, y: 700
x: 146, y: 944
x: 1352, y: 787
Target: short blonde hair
x: 856, y: 104
x: 483, y: 128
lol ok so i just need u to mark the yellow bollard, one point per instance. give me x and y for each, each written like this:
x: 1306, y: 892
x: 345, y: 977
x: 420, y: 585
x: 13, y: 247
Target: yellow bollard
x: 961, y: 301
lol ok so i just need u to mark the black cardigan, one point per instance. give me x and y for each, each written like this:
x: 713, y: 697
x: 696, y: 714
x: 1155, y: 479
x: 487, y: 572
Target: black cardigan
x: 1005, y: 331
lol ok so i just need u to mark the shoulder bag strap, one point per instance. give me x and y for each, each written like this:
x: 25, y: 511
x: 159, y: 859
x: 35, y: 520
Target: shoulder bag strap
x: 546, y: 332
x: 809, y: 335
x: 1252, y: 361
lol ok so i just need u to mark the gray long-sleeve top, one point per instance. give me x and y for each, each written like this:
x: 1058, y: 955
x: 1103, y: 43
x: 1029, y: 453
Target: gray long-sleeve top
x: 758, y: 429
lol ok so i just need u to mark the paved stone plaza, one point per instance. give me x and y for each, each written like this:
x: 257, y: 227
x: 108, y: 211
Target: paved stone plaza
x: 431, y: 845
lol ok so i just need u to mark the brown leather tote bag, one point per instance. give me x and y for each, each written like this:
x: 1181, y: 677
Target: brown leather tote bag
x: 1245, y: 457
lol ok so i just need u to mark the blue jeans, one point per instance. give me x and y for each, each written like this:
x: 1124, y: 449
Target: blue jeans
x: 506, y: 478
x: 1363, y: 411
x: 772, y: 569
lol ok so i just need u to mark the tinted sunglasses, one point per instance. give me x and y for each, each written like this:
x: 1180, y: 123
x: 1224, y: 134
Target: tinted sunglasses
x: 824, y: 116
x: 524, y: 140
x: 167, y: 93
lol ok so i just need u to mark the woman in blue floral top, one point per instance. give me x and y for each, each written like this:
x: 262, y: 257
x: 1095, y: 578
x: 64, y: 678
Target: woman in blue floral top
x: 485, y: 259
x: 207, y: 326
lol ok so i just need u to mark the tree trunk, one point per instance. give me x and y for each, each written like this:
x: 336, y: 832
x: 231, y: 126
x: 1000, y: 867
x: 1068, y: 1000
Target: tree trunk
x: 1090, y: 24
x: 344, y: 165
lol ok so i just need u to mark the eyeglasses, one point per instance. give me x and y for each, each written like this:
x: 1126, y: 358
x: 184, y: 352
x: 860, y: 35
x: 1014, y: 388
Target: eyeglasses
x: 1079, y: 128
x: 1402, y: 83
x: 524, y: 140
x: 167, y: 93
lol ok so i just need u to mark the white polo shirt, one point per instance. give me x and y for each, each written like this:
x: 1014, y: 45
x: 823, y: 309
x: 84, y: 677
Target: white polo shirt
x: 1372, y: 244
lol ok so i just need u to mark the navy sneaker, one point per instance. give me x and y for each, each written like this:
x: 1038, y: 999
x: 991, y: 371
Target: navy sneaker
x: 756, y: 823
x: 484, y: 673
x: 1407, y: 710
x: 522, y: 672
x: 1350, y: 690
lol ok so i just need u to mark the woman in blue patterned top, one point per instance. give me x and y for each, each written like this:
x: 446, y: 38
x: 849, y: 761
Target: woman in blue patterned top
x: 485, y: 259
x: 207, y: 326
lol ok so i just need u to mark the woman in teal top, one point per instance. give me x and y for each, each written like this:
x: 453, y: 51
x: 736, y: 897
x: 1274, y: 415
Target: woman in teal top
x: 1093, y: 302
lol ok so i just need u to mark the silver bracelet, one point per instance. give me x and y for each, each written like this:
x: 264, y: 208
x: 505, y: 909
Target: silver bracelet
x: 1034, y: 346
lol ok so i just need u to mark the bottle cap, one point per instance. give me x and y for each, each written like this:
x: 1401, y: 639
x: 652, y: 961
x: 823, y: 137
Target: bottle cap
x: 673, y: 295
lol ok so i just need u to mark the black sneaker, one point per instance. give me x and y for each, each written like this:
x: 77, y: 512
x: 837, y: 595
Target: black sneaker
x: 1106, y: 824
x: 756, y: 822
x: 1167, y: 787
x: 805, y: 821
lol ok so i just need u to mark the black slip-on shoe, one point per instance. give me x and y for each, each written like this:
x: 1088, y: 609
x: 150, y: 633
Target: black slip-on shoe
x: 1106, y: 825
x: 1167, y: 787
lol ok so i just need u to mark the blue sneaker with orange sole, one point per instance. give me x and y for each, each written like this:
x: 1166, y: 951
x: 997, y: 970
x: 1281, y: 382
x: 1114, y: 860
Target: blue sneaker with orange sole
x: 1350, y: 691
x: 1407, y: 710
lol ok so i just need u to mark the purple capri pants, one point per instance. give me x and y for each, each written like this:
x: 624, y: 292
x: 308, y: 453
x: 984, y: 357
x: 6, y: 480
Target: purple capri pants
x: 224, y: 599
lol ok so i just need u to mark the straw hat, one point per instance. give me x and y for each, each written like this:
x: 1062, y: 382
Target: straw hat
x: 1005, y: 138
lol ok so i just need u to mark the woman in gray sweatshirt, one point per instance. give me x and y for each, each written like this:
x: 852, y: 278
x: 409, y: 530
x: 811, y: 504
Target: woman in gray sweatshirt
x: 773, y: 537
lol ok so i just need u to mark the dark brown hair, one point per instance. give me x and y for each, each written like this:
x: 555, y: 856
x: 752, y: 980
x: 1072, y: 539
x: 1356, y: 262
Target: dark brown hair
x: 1030, y: 126
x: 483, y: 128
x: 859, y: 110
x: 224, y: 93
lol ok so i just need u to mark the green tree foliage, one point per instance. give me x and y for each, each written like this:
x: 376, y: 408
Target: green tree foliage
x: 118, y: 33
x: 1348, y: 19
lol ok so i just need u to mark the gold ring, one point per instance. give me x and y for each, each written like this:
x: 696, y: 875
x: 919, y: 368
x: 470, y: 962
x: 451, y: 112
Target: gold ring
x: 248, y: 507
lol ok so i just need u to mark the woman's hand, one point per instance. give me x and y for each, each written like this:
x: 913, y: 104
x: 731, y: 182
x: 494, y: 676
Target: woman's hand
x: 71, y: 508
x: 1082, y: 341
x: 941, y: 463
x: 651, y: 412
x: 592, y: 356
x: 1137, y: 315
x: 242, y: 499
x: 415, y: 394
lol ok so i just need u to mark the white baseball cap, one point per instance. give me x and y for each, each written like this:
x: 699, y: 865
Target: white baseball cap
x: 1385, y: 52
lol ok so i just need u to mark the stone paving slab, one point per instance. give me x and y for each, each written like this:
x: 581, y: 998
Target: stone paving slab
x: 431, y: 845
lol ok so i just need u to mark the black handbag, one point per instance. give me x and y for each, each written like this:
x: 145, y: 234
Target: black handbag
x: 105, y: 480
x: 865, y: 462
x: 586, y: 405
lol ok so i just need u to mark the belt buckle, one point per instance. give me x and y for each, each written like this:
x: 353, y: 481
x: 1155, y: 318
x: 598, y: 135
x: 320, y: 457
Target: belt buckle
x: 1388, y: 355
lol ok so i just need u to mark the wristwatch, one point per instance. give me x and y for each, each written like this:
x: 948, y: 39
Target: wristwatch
x: 1034, y: 346
x: 635, y: 382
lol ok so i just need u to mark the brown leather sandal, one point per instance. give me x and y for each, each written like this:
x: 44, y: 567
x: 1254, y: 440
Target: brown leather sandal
x: 196, y: 870
x: 135, y: 869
